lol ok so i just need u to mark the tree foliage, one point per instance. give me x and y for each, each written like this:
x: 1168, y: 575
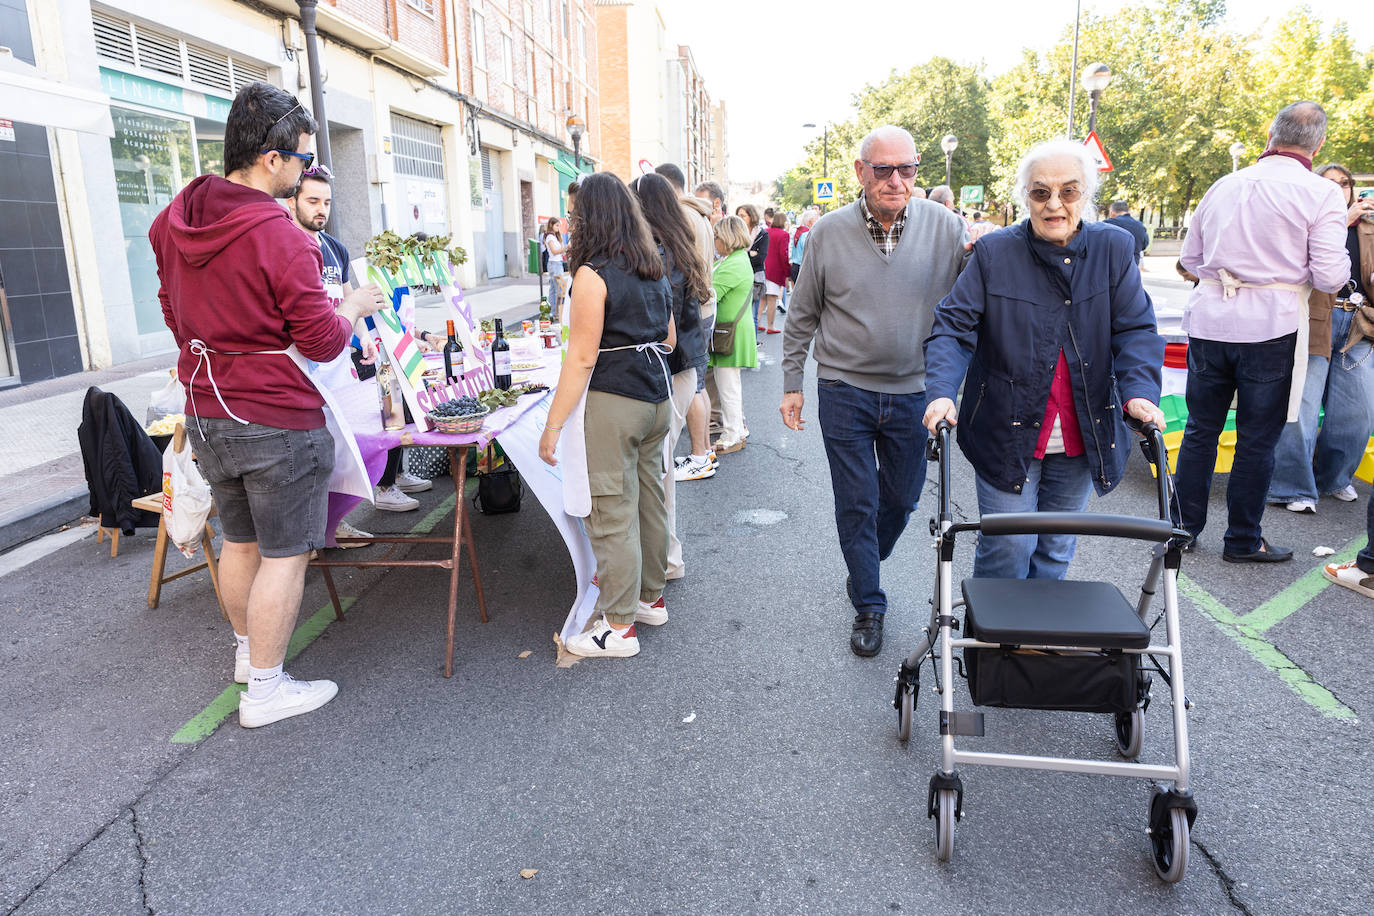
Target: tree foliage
x: 1184, y: 89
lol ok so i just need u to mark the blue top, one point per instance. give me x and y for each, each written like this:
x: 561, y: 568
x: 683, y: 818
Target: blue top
x: 1018, y: 303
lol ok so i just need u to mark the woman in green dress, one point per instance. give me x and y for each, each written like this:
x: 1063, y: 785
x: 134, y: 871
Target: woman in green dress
x: 733, y: 279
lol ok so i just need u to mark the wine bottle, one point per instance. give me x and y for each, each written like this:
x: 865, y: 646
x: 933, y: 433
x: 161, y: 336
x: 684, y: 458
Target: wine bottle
x: 500, y: 357
x: 453, y: 356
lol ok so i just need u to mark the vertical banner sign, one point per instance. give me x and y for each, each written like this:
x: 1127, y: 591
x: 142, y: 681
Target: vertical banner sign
x: 401, y: 349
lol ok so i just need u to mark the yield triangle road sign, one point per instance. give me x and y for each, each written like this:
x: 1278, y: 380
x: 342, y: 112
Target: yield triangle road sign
x: 1098, y: 152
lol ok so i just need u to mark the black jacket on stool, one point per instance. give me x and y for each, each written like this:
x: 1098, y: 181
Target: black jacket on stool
x: 121, y: 462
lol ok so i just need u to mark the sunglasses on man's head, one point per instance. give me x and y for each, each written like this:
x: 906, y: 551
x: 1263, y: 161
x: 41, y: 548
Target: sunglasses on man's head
x: 317, y: 171
x: 884, y: 172
x: 1043, y: 195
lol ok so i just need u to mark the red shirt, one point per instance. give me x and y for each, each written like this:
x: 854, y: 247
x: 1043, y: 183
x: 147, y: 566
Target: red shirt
x: 775, y: 264
x: 238, y: 274
x: 1060, y: 405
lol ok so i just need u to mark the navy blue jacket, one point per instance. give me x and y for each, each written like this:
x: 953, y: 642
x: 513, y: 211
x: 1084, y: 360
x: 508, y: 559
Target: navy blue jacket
x: 1004, y: 323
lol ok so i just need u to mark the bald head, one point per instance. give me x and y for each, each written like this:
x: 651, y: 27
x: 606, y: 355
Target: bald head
x: 889, y: 136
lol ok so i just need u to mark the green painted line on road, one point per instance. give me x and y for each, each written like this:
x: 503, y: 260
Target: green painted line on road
x: 221, y: 707
x: 209, y: 718
x: 1312, y: 583
x: 1265, y: 652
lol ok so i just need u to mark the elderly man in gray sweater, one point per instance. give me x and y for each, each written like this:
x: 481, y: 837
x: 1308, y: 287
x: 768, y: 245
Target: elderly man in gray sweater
x: 866, y: 294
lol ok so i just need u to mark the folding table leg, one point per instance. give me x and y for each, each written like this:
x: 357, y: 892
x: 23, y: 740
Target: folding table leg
x: 458, y: 467
x: 333, y: 593
x: 159, y: 564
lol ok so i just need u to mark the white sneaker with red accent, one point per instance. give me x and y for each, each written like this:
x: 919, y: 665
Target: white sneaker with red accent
x: 1350, y: 576
x: 604, y: 641
x: 655, y: 615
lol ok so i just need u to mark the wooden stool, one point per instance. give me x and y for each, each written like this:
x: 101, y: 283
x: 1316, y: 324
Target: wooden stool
x: 153, y: 503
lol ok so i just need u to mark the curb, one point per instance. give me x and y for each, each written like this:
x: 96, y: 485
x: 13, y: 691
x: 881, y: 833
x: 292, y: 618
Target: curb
x: 44, y: 515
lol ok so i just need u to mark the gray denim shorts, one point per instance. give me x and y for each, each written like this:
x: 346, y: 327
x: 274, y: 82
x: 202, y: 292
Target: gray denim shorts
x: 708, y: 329
x: 271, y: 485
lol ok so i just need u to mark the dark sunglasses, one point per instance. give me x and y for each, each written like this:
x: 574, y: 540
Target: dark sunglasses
x: 307, y: 158
x: 1043, y: 195
x: 884, y: 172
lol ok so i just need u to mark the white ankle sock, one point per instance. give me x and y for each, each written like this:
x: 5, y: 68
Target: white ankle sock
x: 262, y: 681
x: 698, y: 458
x: 241, y: 644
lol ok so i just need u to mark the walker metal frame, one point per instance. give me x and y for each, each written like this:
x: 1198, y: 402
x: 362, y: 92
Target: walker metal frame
x: 1172, y: 810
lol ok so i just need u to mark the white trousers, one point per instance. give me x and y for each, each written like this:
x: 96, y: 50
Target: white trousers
x: 684, y: 389
x: 728, y: 385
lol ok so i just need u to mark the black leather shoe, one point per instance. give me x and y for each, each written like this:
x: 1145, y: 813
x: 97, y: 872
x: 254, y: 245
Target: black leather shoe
x: 867, y: 638
x: 1267, y: 553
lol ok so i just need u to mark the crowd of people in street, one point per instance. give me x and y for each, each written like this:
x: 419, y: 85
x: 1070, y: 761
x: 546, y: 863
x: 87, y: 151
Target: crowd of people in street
x: 1034, y: 341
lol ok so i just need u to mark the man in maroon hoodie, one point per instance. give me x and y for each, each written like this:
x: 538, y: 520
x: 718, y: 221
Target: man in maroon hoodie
x: 240, y: 285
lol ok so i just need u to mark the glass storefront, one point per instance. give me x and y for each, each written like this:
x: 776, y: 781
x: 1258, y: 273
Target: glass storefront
x: 154, y: 158
x: 164, y: 137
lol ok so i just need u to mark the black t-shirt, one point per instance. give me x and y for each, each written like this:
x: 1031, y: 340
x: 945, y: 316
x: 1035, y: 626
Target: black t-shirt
x: 637, y: 312
x: 690, y: 352
x: 335, y: 273
x: 1352, y: 246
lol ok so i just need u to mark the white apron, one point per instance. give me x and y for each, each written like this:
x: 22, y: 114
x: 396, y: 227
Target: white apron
x: 350, y: 474
x: 1230, y: 284
x: 577, y: 488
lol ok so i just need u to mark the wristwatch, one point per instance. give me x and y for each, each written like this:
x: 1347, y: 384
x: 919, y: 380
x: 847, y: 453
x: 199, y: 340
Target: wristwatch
x: 793, y: 391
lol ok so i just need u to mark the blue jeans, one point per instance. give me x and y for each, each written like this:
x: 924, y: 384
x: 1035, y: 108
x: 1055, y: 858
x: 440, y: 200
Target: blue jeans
x: 1311, y: 462
x: 876, y: 446
x: 1055, y: 483
x: 1258, y: 376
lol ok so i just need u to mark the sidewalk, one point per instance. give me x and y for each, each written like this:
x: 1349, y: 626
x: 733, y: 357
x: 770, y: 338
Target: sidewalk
x: 42, y: 480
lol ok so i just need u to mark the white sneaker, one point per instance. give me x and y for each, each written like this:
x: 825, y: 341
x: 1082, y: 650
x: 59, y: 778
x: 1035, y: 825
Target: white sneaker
x: 1305, y: 506
x: 391, y: 499
x: 409, y: 483
x: 1350, y: 576
x: 291, y: 698
x: 655, y: 615
x: 1346, y: 494
x: 689, y: 469
x: 240, y: 668
x: 345, y: 530
x: 604, y: 641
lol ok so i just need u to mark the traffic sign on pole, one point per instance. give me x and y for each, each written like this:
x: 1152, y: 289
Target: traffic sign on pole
x: 1096, y: 150
x: 823, y: 191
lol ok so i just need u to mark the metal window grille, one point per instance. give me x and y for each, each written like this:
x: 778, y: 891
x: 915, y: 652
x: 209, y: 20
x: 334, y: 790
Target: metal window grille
x: 486, y: 169
x: 139, y: 46
x: 417, y: 148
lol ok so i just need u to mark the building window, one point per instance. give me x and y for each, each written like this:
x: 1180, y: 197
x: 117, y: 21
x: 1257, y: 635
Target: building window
x: 479, y: 39
x: 424, y: 6
x: 582, y: 37
x: 507, y: 59
x: 417, y: 148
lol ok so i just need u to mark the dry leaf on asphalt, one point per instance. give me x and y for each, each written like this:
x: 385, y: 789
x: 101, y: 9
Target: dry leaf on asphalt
x: 565, y: 658
x: 525, y: 654
x: 528, y: 873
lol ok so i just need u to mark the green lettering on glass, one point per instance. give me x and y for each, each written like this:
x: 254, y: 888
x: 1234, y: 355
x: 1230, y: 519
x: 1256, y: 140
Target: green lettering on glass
x: 132, y: 88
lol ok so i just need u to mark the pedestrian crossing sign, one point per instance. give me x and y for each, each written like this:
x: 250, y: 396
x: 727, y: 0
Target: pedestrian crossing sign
x: 823, y: 191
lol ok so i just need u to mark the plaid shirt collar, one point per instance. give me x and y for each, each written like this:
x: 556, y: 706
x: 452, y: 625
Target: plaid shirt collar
x: 885, y: 239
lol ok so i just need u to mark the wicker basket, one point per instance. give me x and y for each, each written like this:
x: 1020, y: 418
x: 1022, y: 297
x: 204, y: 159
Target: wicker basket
x: 459, y: 425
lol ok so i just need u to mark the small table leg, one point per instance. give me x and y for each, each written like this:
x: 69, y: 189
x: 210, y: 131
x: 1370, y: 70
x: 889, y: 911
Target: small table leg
x: 458, y: 468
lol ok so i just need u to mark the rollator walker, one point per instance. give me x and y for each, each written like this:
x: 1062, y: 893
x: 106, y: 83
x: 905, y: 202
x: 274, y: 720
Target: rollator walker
x: 1056, y: 645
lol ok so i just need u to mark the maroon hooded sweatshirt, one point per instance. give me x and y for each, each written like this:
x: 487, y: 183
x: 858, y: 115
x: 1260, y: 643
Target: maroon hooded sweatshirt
x: 239, y: 275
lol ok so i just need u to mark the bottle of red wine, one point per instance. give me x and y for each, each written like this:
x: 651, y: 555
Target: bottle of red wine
x: 453, y: 356
x: 500, y: 357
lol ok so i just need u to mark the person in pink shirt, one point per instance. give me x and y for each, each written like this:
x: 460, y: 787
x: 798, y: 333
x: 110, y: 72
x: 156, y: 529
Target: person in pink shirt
x: 1260, y: 239
x: 775, y: 267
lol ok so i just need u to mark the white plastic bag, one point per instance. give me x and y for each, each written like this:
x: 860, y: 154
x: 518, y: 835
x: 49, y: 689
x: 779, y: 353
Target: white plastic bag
x: 170, y: 398
x: 185, y: 499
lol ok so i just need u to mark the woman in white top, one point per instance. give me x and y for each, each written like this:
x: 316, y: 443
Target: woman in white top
x: 558, y: 274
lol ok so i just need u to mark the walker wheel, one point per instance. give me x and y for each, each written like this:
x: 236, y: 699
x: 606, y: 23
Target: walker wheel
x: 1170, y: 846
x: 1130, y: 732
x: 906, y: 711
x: 947, y: 800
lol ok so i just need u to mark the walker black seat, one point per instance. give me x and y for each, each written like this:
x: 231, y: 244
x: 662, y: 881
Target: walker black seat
x: 1014, y: 612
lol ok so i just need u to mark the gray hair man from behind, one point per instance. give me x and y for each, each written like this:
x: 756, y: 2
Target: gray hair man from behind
x: 1260, y: 240
x: 943, y: 195
x: 1119, y: 215
x: 866, y: 294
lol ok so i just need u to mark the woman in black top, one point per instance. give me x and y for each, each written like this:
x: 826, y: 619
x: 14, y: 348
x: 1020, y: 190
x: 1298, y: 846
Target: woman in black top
x: 690, y: 278
x: 621, y: 320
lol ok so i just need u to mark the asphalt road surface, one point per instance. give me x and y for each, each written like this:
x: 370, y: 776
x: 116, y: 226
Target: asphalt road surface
x: 744, y: 762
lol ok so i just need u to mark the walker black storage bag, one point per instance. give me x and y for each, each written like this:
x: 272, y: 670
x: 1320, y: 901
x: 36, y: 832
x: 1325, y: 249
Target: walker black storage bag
x: 1091, y: 620
x: 499, y: 491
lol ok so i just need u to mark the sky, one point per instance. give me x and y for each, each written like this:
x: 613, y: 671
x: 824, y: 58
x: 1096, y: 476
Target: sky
x: 778, y: 64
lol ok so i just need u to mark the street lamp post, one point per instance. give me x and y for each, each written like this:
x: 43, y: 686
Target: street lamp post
x: 1237, y: 150
x: 1095, y: 79
x: 576, y: 128
x: 825, y: 148
x: 949, y: 143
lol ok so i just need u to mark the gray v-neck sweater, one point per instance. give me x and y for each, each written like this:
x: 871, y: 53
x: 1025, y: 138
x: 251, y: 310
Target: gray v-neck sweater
x: 870, y: 313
